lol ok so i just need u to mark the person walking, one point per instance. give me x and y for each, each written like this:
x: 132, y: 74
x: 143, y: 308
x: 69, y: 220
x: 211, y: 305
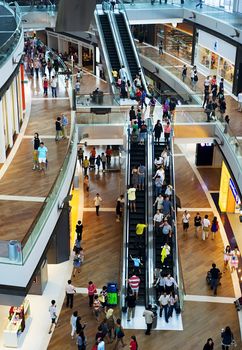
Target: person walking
x: 119, y: 333
x: 227, y: 256
x: 81, y: 341
x: 119, y: 207
x: 133, y: 345
x: 132, y: 198
x: 161, y: 48
x: 45, y: 83
x: 91, y: 290
x: 96, y: 307
x: 149, y: 316
x: 111, y: 321
x: 42, y: 157
x: 205, y: 227
x: 53, y: 315
x: 163, y: 300
x: 152, y: 104
x: 85, y: 165
x: 58, y: 129
x: 173, y: 299
x: 170, y: 283
x: 215, y: 276
x: 86, y: 183
x: 70, y: 291
x: 209, y: 344
x: 108, y: 155
x: 64, y: 123
x: 131, y: 303
x: 104, y: 161
x: 97, y: 201
x: 185, y: 222
x: 36, y: 143
x: 79, y: 230
x: 227, y: 338
x: 235, y: 254
x: 53, y: 85
x: 200, y: 4
x: 73, y: 323
x: 197, y: 224
x: 214, y: 227
x: 184, y: 73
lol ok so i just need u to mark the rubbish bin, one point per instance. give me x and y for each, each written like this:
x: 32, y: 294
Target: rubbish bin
x: 112, y: 291
x: 12, y: 250
x: 154, y: 323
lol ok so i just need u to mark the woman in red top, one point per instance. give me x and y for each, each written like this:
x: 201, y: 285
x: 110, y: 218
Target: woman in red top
x: 108, y: 155
x: 133, y: 345
x: 91, y: 289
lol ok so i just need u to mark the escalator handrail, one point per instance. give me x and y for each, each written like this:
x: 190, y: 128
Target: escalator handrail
x: 150, y: 298
x: 123, y: 10
x: 124, y: 278
x: 118, y: 43
x: 105, y: 51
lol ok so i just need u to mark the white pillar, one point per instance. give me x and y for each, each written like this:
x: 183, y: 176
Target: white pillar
x: 2, y: 136
x: 80, y: 55
x: 9, y: 118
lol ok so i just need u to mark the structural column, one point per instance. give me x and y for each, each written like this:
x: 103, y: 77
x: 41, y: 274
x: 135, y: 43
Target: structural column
x: 9, y: 117
x: 2, y: 136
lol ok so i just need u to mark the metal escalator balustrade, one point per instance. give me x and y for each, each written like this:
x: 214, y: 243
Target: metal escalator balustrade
x: 109, y: 41
x: 126, y: 41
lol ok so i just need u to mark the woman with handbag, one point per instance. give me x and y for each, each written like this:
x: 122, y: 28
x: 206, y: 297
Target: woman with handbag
x: 119, y: 334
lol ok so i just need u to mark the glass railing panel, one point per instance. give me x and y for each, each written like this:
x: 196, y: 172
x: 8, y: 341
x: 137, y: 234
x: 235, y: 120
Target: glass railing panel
x: 7, y: 48
x: 118, y: 118
x: 96, y: 100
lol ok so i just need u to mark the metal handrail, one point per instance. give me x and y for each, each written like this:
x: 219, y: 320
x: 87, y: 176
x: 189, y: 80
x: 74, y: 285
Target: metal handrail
x: 104, y: 47
x: 118, y: 43
x: 124, y: 279
x: 150, y: 299
x: 122, y: 7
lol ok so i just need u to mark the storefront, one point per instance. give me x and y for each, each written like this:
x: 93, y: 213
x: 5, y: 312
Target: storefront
x: 177, y: 40
x: 229, y: 200
x: 214, y: 56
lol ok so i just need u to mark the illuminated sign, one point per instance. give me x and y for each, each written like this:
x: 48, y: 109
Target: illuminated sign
x: 224, y: 186
x: 234, y: 191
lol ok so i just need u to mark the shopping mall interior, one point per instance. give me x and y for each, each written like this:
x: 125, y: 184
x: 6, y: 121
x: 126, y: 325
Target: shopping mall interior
x: 124, y: 115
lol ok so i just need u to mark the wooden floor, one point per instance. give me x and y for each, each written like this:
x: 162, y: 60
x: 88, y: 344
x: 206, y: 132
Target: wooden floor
x: 102, y: 240
x: 188, y: 186
x: 211, y: 177
x: 19, y: 179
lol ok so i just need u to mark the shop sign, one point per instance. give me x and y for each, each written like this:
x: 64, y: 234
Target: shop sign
x: 234, y: 191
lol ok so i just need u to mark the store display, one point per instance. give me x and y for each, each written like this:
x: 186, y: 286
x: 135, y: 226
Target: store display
x: 16, y: 325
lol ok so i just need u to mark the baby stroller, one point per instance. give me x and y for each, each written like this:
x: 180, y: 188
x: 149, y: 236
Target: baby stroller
x: 208, y: 278
x: 91, y: 163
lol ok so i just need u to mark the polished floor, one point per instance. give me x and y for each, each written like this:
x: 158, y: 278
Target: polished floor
x: 102, y: 243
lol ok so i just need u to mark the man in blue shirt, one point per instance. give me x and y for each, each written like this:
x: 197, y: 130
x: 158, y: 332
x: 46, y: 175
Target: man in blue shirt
x: 64, y: 123
x: 137, y: 263
x: 42, y: 156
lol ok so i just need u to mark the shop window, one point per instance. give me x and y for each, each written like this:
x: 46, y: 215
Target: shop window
x: 214, y: 62
x: 226, y: 70
x: 204, y: 57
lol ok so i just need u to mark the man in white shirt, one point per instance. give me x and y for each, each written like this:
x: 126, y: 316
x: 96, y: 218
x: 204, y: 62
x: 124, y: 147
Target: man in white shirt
x: 97, y: 202
x: 53, y: 84
x: 240, y: 101
x: 70, y: 291
x: 157, y: 220
x: 123, y: 74
x: 53, y: 315
x: 205, y: 227
x: 185, y: 222
x: 170, y: 283
x: 163, y: 300
x: 149, y: 316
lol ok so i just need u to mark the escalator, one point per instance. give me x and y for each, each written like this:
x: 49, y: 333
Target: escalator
x: 127, y: 44
x: 137, y: 245
x: 159, y: 239
x: 109, y: 42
